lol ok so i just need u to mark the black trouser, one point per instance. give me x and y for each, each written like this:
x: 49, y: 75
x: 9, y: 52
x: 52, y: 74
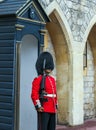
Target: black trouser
x: 46, y: 121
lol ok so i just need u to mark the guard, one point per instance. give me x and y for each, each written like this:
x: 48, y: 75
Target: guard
x: 44, y: 95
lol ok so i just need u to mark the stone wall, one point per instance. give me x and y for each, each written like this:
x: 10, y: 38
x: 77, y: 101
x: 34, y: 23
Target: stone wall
x: 78, y: 14
x: 89, y: 103
x: 76, y: 19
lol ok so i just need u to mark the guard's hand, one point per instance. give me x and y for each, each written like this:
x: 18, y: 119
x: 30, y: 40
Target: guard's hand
x: 40, y: 109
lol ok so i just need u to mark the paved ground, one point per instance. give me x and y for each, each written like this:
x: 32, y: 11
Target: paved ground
x: 88, y: 125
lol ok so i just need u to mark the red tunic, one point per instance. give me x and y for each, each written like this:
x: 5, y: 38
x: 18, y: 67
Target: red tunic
x: 50, y: 88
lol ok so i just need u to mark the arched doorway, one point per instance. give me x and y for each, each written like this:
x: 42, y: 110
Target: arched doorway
x: 89, y: 102
x: 62, y: 66
x: 90, y: 84
x: 28, y: 56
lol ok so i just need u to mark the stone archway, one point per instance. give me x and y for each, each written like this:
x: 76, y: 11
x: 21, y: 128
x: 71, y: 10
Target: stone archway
x: 78, y: 42
x: 89, y: 88
x: 62, y: 67
x: 92, y: 42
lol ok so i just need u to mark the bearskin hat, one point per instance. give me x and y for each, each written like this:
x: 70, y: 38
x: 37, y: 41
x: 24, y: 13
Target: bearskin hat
x: 44, y: 61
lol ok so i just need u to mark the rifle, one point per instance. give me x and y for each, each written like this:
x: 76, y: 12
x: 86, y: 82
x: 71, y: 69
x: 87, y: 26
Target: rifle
x: 42, y: 85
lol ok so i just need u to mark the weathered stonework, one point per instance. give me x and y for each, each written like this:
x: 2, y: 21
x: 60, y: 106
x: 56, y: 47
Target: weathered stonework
x: 78, y: 14
x: 89, y: 103
x: 74, y: 19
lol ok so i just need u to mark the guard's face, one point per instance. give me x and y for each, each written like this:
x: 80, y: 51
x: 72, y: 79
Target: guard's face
x: 48, y: 71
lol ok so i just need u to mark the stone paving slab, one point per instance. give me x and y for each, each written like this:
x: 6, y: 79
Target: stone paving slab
x: 88, y: 125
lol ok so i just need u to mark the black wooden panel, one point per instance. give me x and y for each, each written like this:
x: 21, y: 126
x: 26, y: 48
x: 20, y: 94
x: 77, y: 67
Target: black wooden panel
x: 6, y: 92
x: 6, y: 113
x: 13, y: 2
x: 5, y: 71
x: 7, y: 36
x: 4, y: 29
x: 5, y: 126
x: 6, y: 78
x: 6, y: 99
x: 6, y: 85
x: 11, y: 6
x: 6, y: 50
x: 6, y: 43
x: 6, y: 106
x: 6, y: 64
x: 6, y: 120
x: 6, y: 57
x: 8, y: 23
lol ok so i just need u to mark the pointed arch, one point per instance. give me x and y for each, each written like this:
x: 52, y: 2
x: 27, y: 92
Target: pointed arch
x: 61, y: 37
x: 54, y: 7
x: 90, y: 36
x: 90, y: 25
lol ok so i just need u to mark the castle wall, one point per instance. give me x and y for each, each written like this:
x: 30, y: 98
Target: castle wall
x: 76, y: 19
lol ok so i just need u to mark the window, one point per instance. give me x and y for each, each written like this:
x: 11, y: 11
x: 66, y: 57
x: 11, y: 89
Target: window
x: 85, y: 60
x: 85, y: 57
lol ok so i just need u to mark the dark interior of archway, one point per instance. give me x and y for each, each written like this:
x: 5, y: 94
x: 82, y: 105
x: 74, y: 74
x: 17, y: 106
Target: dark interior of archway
x: 92, y: 41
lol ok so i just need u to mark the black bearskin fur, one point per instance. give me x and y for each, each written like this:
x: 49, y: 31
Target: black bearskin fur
x: 44, y: 61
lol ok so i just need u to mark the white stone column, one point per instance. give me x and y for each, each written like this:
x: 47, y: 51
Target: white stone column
x: 76, y: 87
